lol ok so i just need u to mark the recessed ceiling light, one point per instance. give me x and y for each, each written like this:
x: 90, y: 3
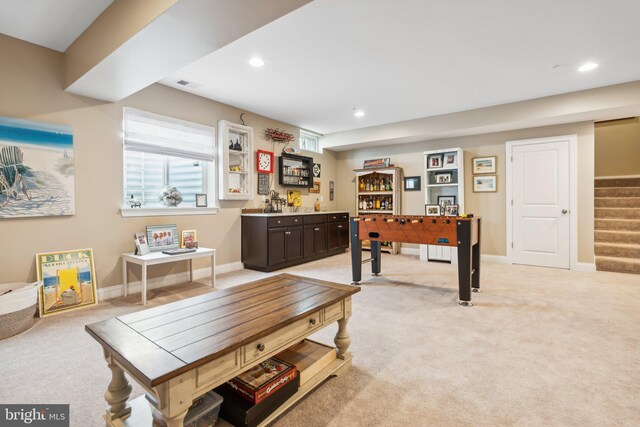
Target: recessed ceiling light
x: 588, y: 66
x: 359, y: 113
x: 256, y: 62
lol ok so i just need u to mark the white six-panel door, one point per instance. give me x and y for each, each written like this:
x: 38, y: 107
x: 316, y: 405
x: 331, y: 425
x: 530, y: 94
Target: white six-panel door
x: 541, y: 201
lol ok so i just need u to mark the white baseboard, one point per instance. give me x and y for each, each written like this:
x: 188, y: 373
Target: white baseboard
x: 584, y: 266
x: 618, y: 177
x: 495, y: 259
x: 116, y: 291
x: 410, y: 251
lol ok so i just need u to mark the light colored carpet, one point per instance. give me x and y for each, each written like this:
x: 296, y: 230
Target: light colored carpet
x: 540, y: 347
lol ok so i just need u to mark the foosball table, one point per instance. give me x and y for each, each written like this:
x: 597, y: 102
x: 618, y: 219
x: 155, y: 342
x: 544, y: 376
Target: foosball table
x: 459, y: 232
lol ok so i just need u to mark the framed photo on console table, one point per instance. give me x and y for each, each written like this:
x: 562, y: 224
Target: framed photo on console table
x: 451, y: 210
x: 432, y: 210
x: 162, y: 237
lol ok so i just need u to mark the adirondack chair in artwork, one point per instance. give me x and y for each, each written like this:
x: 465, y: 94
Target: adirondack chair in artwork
x: 11, y: 180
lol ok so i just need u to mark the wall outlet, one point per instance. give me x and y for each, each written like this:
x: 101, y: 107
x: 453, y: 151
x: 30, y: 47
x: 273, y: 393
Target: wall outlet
x: 321, y: 198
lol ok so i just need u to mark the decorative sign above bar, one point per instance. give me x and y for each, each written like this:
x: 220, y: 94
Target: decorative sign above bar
x: 377, y: 163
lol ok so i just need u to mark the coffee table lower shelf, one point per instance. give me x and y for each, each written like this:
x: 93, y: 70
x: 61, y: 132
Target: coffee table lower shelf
x: 141, y: 412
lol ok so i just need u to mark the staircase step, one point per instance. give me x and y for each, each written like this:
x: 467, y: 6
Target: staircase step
x: 613, y: 213
x: 618, y: 192
x: 619, y: 250
x: 617, y: 202
x: 619, y: 265
x: 617, y: 224
x: 617, y: 182
x: 618, y: 236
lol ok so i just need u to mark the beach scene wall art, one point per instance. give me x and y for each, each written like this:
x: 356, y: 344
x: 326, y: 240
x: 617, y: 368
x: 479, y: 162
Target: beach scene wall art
x: 68, y: 280
x: 37, y: 176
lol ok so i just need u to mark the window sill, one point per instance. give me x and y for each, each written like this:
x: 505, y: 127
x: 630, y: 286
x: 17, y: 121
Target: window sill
x: 137, y: 212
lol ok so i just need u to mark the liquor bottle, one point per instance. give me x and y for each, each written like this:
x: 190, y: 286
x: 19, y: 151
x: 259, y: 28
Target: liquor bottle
x: 368, y: 185
x: 377, y: 202
x: 386, y: 204
x: 388, y: 185
x: 375, y: 184
x: 361, y: 185
x: 370, y: 206
x: 390, y: 204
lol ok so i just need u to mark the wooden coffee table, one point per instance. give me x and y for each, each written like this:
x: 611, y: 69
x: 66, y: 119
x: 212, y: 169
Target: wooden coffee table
x: 180, y: 351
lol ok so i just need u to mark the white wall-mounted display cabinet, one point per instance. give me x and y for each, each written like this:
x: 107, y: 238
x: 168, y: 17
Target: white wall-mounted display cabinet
x: 235, y: 161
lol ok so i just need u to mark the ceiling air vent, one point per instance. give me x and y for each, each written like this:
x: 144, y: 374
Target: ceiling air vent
x: 182, y: 82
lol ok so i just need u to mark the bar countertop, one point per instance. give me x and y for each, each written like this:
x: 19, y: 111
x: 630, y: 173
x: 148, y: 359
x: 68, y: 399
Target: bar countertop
x: 293, y: 213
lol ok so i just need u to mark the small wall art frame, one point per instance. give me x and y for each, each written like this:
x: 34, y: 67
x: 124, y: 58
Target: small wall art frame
x: 411, y: 183
x: 484, y: 164
x: 162, y: 237
x: 485, y: 184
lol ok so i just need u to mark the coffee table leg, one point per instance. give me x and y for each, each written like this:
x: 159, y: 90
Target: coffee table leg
x: 144, y: 285
x: 124, y: 277
x: 118, y: 391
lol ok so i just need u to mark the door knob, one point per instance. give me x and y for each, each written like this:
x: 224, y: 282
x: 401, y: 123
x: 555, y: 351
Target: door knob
x: 564, y: 211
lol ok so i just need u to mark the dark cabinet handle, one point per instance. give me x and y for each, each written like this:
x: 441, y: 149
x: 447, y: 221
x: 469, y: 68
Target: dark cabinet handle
x: 313, y: 320
x: 260, y: 347
x: 339, y: 226
x: 295, y: 220
x: 287, y: 232
x: 279, y: 221
x: 316, y: 229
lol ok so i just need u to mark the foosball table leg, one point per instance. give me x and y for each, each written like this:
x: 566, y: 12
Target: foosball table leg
x: 376, y: 257
x: 464, y: 263
x: 356, y: 253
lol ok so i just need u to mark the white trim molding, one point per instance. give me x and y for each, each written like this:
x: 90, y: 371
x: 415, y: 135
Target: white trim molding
x: 495, y: 259
x: 410, y: 251
x: 584, y: 266
x: 573, y: 190
x: 135, y: 212
x: 116, y: 291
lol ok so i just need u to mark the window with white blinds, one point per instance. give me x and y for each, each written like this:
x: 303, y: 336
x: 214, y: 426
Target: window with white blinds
x: 161, y: 152
x: 309, y: 142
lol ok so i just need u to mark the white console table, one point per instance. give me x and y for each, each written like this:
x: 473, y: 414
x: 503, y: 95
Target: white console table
x: 156, y: 258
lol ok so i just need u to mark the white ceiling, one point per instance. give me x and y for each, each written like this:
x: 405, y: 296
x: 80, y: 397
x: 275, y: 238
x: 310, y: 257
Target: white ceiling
x: 50, y: 23
x: 396, y: 60
x: 405, y: 59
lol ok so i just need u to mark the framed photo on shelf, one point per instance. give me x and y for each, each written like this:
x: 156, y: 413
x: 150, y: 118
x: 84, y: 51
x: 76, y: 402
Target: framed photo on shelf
x: 432, y: 210
x: 411, y: 183
x: 434, y: 161
x: 142, y: 248
x: 162, y: 237
x: 201, y: 200
x: 451, y: 210
x: 450, y: 160
x: 485, y: 184
x: 446, y: 200
x: 484, y: 164
x: 443, y: 178
x: 315, y: 188
x: 264, y: 161
x: 68, y: 280
x: 188, y: 236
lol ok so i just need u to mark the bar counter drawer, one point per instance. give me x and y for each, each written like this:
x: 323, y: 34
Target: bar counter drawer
x: 340, y: 217
x: 284, y: 221
x: 315, y: 219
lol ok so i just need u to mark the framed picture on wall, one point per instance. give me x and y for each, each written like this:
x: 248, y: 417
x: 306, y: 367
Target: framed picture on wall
x: 201, y: 200
x: 316, y: 187
x: 485, y: 184
x: 411, y: 183
x: 484, y: 164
